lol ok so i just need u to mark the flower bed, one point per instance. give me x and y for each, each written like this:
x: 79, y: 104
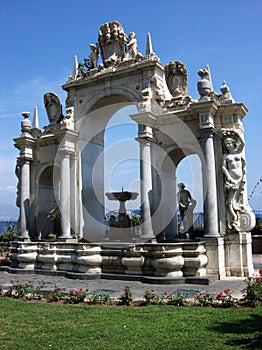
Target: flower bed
x: 252, y: 296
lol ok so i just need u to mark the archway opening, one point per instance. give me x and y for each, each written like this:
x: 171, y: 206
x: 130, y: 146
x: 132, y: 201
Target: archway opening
x: 121, y: 159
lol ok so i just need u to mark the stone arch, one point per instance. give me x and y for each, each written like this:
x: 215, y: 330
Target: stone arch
x: 92, y: 128
x: 46, y: 202
x: 111, y: 96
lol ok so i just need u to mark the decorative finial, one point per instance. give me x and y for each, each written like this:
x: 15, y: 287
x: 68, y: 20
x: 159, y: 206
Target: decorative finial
x: 35, y: 131
x: 209, y: 76
x: 149, y: 50
x: 75, y: 69
x: 35, y: 124
x: 25, y: 124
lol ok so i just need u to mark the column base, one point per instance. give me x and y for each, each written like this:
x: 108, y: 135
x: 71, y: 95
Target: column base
x: 67, y: 239
x: 216, y: 256
x: 238, y: 254
x: 23, y: 239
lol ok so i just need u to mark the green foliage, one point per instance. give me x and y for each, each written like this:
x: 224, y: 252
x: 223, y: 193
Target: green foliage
x: 223, y: 299
x: 9, y: 234
x: 179, y: 299
x: 136, y: 219
x: 102, y: 299
x: 57, y: 294
x: 126, y: 298
x: 253, y: 295
x: 151, y: 298
x: 28, y: 290
x: 5, y: 260
x: 76, y: 296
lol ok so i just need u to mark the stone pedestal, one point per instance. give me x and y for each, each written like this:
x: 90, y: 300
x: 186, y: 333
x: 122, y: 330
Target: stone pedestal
x: 216, y: 256
x: 238, y: 254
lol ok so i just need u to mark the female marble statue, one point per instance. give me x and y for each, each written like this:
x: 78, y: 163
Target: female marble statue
x: 234, y: 170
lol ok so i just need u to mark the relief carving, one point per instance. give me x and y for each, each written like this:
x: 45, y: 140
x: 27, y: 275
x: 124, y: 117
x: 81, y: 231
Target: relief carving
x: 239, y: 214
x: 176, y: 78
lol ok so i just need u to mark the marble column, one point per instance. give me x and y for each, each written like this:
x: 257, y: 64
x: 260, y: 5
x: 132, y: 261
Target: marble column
x: 24, y: 197
x: 209, y: 181
x: 65, y: 196
x: 146, y: 187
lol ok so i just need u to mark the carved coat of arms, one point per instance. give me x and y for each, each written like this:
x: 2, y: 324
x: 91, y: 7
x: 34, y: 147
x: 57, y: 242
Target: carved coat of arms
x: 176, y: 78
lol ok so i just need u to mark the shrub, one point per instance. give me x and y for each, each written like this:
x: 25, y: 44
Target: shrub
x: 76, y: 296
x: 179, y: 299
x: 56, y: 295
x: 5, y: 261
x: 204, y: 299
x: 223, y: 299
x: 18, y: 289
x: 126, y: 298
x: 151, y: 298
x: 253, y: 295
x: 96, y: 298
x: 10, y: 233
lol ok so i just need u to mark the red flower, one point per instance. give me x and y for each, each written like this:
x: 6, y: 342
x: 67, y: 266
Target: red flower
x: 219, y: 296
x: 258, y: 279
x: 56, y: 286
x: 260, y: 272
x: 226, y: 291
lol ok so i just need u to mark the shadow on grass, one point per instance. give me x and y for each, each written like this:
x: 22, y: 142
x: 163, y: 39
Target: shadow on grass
x: 249, y: 329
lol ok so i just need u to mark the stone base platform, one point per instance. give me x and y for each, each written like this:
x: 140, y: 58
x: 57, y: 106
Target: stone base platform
x: 206, y: 280
x: 180, y: 262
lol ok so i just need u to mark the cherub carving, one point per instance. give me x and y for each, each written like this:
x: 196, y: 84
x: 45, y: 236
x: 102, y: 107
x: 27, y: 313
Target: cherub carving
x: 131, y: 46
x: 93, y: 56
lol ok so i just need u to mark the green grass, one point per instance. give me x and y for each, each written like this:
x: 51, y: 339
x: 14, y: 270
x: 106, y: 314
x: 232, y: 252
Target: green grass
x: 32, y: 325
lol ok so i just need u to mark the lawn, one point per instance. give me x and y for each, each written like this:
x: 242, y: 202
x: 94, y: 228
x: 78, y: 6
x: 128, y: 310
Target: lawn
x: 35, y: 325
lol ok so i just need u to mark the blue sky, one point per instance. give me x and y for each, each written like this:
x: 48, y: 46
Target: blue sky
x: 40, y: 38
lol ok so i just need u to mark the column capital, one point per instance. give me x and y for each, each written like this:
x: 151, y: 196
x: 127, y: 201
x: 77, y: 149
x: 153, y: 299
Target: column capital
x: 208, y: 133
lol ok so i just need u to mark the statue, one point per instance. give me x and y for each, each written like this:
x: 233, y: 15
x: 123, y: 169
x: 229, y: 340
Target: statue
x: 234, y: 170
x: 53, y: 107
x: 93, y: 56
x: 131, y: 46
x: 226, y: 96
x: 186, y: 207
